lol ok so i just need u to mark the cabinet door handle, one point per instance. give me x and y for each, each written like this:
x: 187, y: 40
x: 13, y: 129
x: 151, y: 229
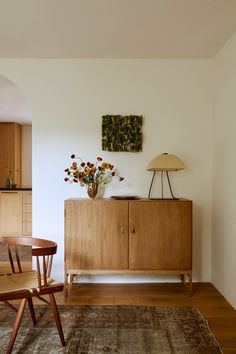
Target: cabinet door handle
x: 123, y: 229
x: 133, y: 230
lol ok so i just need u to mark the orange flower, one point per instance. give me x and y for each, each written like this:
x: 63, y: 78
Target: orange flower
x: 105, y: 165
x: 93, y: 170
x: 74, y: 166
x: 87, y: 172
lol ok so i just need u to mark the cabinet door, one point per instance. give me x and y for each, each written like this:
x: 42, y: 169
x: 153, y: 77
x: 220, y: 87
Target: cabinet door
x: 96, y: 234
x: 11, y: 213
x: 10, y: 157
x: 160, y: 235
x: 17, y: 154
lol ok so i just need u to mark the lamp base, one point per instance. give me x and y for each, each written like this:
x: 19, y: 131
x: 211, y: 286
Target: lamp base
x: 164, y: 198
x: 168, y: 179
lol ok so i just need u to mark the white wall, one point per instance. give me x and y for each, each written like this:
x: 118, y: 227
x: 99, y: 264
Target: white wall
x: 224, y: 173
x: 67, y: 99
x: 26, y: 155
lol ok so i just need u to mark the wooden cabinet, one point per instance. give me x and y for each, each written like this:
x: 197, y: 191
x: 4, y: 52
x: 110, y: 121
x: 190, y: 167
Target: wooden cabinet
x: 11, y: 213
x: 107, y: 236
x: 10, y: 157
x: 15, y: 220
x: 15, y: 213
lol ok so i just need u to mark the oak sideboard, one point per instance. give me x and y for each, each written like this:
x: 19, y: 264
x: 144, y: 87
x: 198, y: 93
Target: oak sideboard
x: 142, y: 236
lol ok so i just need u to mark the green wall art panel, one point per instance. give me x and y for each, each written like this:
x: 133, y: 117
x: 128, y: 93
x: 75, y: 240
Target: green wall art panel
x: 122, y: 133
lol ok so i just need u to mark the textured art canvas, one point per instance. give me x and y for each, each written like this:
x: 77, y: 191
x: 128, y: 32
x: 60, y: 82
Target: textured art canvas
x: 122, y: 133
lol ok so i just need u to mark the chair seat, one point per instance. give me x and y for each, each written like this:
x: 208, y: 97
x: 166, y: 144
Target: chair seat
x: 21, y: 281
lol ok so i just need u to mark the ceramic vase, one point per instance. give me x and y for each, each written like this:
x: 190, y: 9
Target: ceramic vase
x: 92, y: 189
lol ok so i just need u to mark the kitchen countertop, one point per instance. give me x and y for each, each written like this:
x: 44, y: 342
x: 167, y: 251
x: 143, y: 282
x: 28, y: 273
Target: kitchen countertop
x: 16, y: 189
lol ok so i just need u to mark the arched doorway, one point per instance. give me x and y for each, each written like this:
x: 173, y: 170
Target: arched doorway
x: 15, y: 161
x: 15, y: 108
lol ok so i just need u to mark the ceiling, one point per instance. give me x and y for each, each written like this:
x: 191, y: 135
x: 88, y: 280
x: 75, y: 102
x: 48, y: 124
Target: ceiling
x: 108, y: 29
x: 115, y: 28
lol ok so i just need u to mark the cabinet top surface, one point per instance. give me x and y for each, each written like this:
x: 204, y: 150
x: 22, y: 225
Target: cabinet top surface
x: 16, y: 189
x: 128, y: 200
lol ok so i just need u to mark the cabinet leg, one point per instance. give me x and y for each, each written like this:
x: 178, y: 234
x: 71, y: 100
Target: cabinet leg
x: 187, y: 283
x: 72, y: 277
x: 69, y: 283
x: 190, y: 284
x: 66, y: 284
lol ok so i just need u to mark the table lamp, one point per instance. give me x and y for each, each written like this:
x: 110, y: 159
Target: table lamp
x: 164, y: 163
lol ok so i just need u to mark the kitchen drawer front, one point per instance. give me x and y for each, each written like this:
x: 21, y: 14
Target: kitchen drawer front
x: 27, y: 197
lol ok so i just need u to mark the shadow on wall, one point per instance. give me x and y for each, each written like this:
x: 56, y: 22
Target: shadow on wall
x: 14, y: 106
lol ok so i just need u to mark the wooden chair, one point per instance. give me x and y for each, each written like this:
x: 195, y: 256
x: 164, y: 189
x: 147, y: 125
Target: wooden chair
x: 24, y: 285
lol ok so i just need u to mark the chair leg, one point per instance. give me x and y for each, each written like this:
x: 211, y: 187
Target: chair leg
x: 16, y: 325
x: 31, y: 307
x: 57, y: 318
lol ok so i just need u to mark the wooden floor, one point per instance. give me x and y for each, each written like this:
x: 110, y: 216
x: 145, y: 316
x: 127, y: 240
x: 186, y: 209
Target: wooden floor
x: 214, y: 308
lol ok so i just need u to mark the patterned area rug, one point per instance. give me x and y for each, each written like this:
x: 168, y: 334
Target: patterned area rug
x: 112, y: 330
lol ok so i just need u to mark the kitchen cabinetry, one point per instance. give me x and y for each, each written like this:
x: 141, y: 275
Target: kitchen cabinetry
x: 15, y: 213
x: 11, y: 213
x: 15, y: 220
x: 27, y: 213
x: 10, y: 157
x: 107, y: 236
